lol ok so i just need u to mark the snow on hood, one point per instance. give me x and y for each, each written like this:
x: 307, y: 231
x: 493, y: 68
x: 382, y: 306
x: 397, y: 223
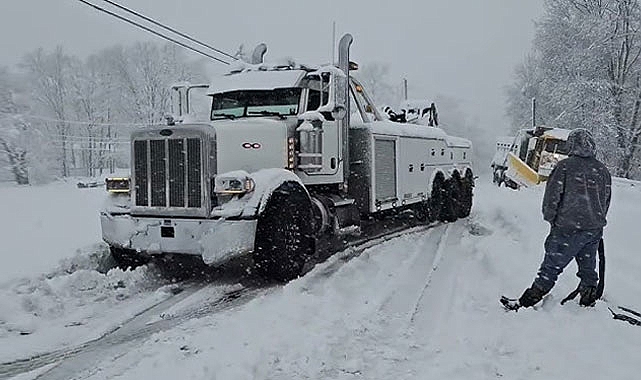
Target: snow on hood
x: 256, y: 80
x: 581, y: 143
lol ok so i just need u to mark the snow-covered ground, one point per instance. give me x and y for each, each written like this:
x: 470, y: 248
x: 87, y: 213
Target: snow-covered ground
x: 54, y: 289
x: 421, y: 306
x: 41, y: 225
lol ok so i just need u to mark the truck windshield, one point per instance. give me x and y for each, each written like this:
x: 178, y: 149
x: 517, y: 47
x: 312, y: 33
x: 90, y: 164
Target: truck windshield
x: 556, y: 146
x: 248, y: 103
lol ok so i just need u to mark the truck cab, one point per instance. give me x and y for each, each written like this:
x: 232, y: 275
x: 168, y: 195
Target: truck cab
x: 528, y: 158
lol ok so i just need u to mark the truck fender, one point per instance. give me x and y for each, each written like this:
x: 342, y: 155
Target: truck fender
x: 452, y: 171
x: 266, y: 182
x: 464, y: 169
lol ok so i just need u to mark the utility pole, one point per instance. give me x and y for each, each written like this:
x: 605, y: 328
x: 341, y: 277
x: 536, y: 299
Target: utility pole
x: 533, y: 112
x: 333, y: 42
x: 405, y: 88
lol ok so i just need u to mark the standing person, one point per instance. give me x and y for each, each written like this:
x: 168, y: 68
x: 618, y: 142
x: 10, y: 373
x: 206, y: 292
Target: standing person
x: 576, y: 201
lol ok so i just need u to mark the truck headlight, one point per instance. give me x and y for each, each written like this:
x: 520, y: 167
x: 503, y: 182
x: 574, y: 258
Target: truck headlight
x: 117, y: 185
x: 234, y: 185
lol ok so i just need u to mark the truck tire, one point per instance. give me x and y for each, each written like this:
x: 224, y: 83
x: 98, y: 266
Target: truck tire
x: 439, y: 202
x: 452, y: 204
x: 284, y: 234
x: 498, y: 176
x: 467, y: 193
x: 127, y: 258
x: 421, y: 212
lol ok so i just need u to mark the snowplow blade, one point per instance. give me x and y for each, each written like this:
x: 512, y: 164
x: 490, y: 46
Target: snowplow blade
x: 519, y: 172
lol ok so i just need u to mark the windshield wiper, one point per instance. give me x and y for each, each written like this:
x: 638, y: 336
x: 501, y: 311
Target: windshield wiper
x: 267, y: 113
x: 226, y: 115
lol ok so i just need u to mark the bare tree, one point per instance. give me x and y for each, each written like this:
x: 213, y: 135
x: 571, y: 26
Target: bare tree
x: 65, y: 113
x: 375, y: 77
x: 143, y: 75
x: 13, y: 130
x: 49, y: 73
x: 585, y: 71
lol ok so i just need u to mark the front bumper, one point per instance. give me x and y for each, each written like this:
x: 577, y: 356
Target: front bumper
x: 216, y: 240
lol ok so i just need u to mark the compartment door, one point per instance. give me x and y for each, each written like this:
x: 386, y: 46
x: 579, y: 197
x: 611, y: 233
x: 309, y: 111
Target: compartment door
x: 384, y: 170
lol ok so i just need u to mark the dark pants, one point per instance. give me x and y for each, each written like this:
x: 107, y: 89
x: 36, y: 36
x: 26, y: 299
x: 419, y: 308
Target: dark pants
x: 563, y: 245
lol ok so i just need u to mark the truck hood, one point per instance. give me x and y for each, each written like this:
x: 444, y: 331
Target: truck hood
x: 251, y: 144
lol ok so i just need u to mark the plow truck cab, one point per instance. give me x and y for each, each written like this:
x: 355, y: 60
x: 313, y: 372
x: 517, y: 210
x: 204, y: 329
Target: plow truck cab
x: 528, y: 158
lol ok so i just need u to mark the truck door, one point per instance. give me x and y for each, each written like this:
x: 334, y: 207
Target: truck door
x: 318, y: 133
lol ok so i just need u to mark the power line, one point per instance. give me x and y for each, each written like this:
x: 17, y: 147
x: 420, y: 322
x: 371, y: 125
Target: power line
x: 59, y: 139
x: 79, y: 122
x: 188, y: 37
x: 153, y: 31
x: 88, y: 149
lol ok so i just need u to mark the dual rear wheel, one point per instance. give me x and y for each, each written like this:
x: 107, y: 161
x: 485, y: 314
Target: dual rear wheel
x: 450, y: 199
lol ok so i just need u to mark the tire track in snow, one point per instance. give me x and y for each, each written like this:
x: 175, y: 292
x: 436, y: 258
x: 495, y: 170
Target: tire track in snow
x: 440, y: 282
x: 428, y: 278
x: 83, y: 360
x: 77, y: 359
x: 355, y: 248
x: 402, y: 279
x: 407, y: 293
x: 89, y: 361
x: 25, y: 365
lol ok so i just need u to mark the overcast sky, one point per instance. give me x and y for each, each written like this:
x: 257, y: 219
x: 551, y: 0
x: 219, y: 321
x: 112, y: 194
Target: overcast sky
x: 461, y: 48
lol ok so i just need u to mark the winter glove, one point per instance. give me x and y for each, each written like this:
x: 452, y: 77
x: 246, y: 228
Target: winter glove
x: 588, y: 296
x: 531, y: 296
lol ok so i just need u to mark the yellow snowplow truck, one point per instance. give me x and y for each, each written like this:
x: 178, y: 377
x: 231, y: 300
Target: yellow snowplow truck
x: 528, y: 158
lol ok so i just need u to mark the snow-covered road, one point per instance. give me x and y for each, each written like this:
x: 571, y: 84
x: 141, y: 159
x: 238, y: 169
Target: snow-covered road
x: 421, y: 306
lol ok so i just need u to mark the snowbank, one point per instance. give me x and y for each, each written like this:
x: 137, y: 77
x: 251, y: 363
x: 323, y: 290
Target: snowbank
x: 71, y: 306
x: 41, y: 225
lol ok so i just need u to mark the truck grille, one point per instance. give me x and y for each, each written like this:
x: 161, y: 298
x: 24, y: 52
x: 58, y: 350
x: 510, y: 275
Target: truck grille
x: 168, y: 173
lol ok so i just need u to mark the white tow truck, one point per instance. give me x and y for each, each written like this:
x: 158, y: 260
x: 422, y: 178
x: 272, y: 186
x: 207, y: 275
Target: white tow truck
x: 290, y: 154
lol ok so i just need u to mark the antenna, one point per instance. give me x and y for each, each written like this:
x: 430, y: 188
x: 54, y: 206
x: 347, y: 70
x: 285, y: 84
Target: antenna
x: 533, y: 112
x: 405, y: 88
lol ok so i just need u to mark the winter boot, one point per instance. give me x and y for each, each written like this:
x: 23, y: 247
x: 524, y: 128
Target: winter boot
x: 588, y: 296
x: 531, y: 296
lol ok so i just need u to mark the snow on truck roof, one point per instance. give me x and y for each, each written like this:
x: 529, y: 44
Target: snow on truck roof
x: 557, y: 133
x: 256, y: 80
x: 415, y: 103
x: 414, y: 130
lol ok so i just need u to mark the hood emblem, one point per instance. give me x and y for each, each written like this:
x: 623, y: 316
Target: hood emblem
x: 248, y: 145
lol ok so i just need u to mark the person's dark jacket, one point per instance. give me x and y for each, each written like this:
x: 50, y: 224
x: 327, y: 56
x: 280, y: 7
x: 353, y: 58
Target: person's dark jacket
x: 577, y: 194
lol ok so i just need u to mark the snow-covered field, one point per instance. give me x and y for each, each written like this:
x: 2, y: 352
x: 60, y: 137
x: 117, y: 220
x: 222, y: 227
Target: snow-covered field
x: 43, y: 224
x: 54, y: 292
x: 421, y: 306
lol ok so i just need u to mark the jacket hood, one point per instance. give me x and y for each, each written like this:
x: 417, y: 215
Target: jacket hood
x: 581, y: 143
